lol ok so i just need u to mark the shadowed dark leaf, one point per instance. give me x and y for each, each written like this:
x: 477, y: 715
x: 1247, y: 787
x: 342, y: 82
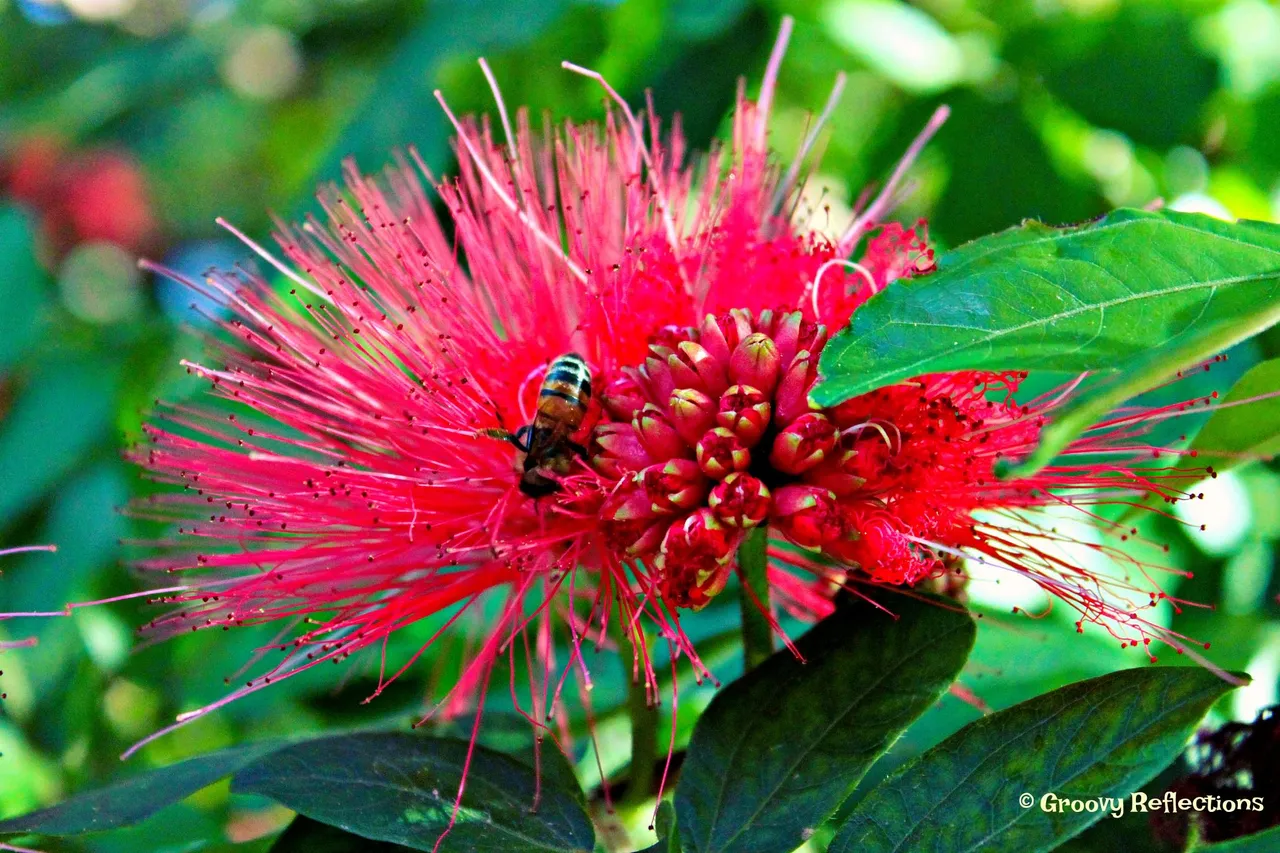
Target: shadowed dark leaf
x: 778, y: 750
x: 137, y: 797
x: 400, y: 787
x: 981, y: 788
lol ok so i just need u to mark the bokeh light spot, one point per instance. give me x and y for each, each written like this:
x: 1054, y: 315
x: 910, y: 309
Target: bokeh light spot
x: 901, y: 42
x: 100, y: 283
x: 264, y: 64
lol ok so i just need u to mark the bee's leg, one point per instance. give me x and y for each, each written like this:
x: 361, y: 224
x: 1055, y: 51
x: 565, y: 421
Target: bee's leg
x: 578, y: 449
x: 522, y: 437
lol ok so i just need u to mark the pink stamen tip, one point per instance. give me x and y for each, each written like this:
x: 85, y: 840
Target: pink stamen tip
x: 637, y: 133
x: 770, y: 82
x: 26, y: 549
x: 271, y: 259
x: 882, y: 203
x: 497, y: 188
x: 502, y: 109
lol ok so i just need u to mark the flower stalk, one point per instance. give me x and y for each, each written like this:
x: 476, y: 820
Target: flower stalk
x: 753, y: 568
x: 644, y: 735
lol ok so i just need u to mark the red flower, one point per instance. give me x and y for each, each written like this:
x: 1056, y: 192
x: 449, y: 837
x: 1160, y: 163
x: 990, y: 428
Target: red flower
x: 361, y: 480
x: 81, y: 195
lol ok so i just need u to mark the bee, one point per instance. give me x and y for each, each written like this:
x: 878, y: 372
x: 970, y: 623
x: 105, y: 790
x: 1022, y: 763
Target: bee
x: 548, y: 443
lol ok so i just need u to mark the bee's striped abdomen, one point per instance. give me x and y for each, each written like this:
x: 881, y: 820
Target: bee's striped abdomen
x: 566, y: 390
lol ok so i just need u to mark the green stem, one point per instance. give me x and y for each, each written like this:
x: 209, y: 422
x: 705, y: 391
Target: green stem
x: 644, y: 728
x: 753, y: 564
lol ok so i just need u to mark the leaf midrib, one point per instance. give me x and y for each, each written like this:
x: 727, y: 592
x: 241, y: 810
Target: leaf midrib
x: 809, y: 748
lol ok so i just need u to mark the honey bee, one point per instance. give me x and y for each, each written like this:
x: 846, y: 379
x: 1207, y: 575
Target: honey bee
x: 547, y: 443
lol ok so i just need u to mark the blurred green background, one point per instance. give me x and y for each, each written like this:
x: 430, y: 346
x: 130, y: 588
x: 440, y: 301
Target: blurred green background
x: 127, y: 126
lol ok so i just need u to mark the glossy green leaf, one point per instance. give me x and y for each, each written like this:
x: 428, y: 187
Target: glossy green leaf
x: 1240, y: 433
x: 400, y: 787
x: 168, y: 831
x: 1085, y: 297
x: 778, y: 750
x: 1013, y: 660
x: 1267, y: 841
x: 981, y: 788
x: 137, y: 797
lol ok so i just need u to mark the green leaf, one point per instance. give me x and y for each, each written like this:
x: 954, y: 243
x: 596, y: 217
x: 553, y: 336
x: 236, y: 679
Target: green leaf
x: 1267, y: 841
x: 1012, y: 661
x: 184, y: 828
x: 1103, y: 737
x: 1086, y: 297
x: 1242, y: 433
x: 305, y: 835
x: 400, y: 787
x: 1144, y: 372
x: 778, y: 750
x: 137, y: 797
x: 62, y: 414
x: 21, y: 286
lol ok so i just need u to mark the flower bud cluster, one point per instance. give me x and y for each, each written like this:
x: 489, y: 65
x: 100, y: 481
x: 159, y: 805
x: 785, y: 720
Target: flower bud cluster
x: 713, y: 435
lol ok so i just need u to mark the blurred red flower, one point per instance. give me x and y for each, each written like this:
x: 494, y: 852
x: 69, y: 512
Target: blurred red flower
x: 80, y: 195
